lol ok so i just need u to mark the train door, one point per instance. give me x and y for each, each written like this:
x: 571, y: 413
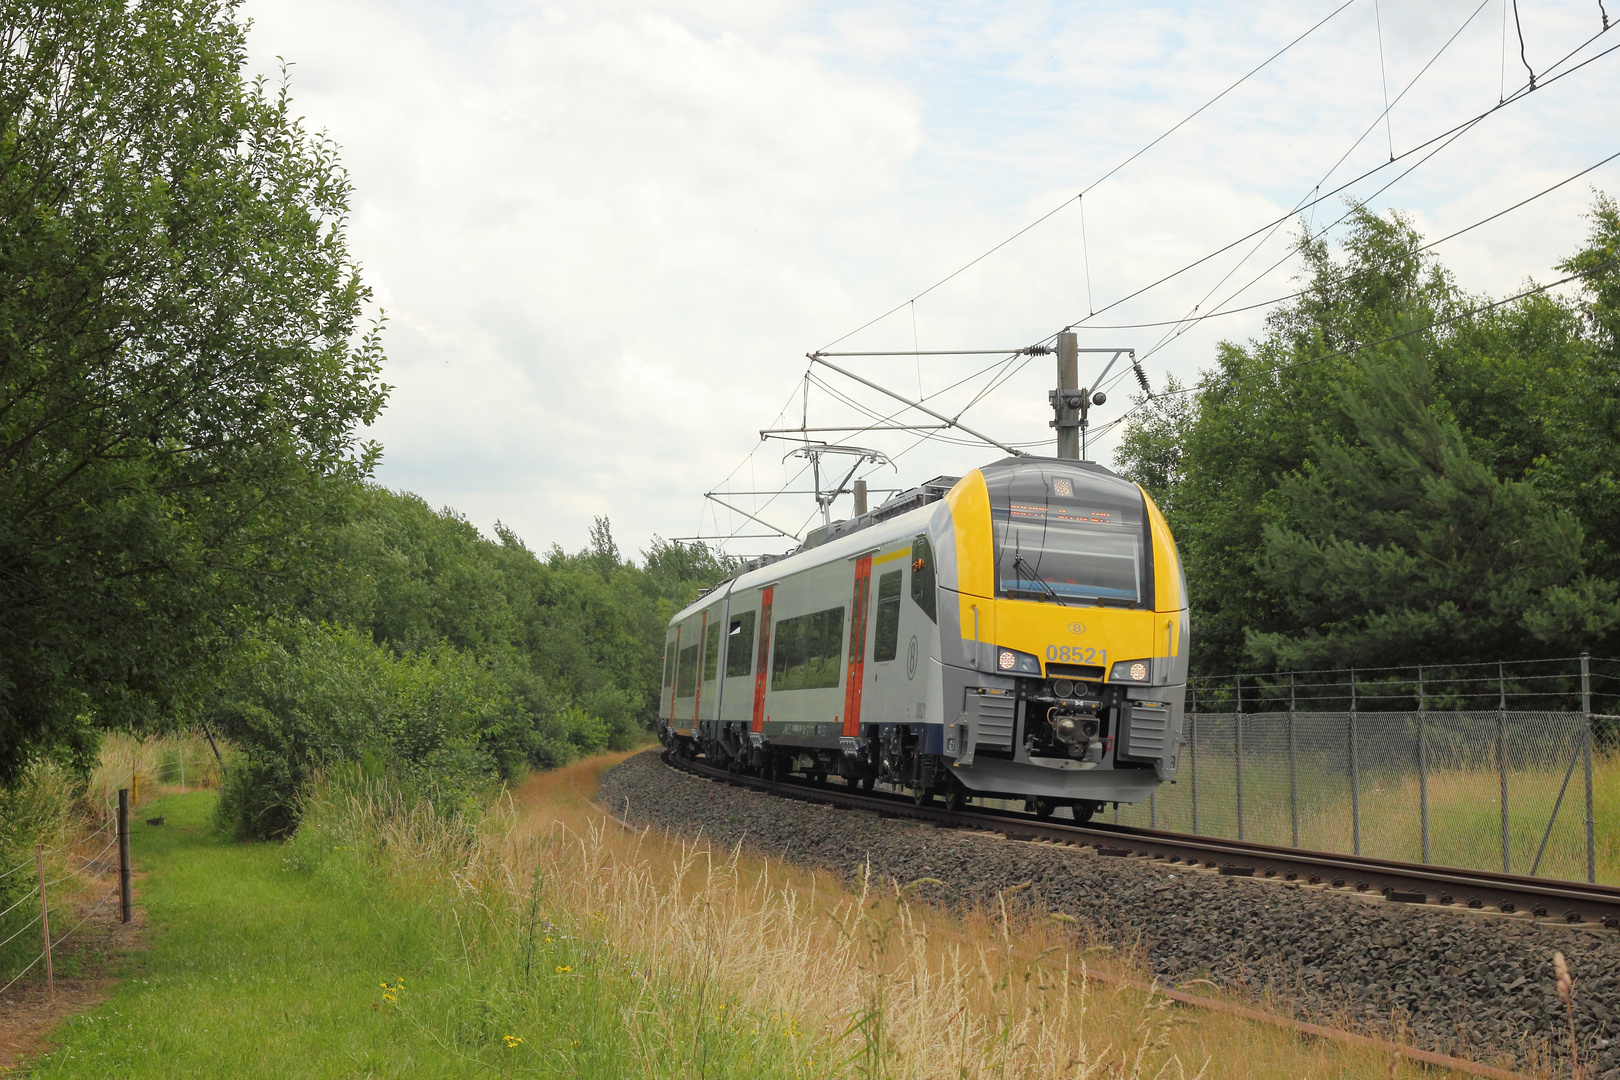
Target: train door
x: 737, y: 659
x: 884, y: 700
x: 684, y: 695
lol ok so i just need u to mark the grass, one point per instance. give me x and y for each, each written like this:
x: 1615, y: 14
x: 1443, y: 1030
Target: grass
x: 1465, y: 817
x: 257, y: 969
x: 388, y: 939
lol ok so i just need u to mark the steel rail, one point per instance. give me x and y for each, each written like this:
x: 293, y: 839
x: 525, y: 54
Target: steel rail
x: 1427, y: 885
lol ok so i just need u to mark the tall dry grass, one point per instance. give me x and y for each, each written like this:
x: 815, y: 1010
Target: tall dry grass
x: 179, y: 759
x: 1465, y: 823
x: 870, y: 981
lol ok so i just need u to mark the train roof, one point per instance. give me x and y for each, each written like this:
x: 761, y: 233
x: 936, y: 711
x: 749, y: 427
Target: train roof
x: 902, y: 510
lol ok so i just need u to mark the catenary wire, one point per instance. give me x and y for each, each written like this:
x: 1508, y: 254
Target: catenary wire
x: 1388, y: 105
x: 1076, y: 198
x: 1546, y: 79
x: 1449, y: 132
x: 1415, y: 251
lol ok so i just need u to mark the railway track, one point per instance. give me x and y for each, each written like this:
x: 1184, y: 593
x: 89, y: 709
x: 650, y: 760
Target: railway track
x: 1597, y: 906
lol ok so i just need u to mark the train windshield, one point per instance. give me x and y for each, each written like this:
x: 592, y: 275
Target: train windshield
x: 1068, y: 539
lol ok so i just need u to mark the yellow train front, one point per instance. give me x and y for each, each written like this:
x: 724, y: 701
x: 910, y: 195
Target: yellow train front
x: 1019, y: 632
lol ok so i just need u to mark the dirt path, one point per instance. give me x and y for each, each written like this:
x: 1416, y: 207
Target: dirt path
x: 89, y: 939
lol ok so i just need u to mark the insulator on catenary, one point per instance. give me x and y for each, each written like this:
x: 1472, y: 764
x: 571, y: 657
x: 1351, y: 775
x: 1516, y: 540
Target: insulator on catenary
x: 1141, y: 377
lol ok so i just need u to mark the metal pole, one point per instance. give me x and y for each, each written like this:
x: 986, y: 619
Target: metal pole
x: 45, y: 919
x: 1153, y: 811
x: 1192, y: 729
x: 1068, y: 378
x: 123, y: 851
x: 1355, y: 770
x: 860, y: 498
x: 1586, y: 711
x: 1423, y: 761
x: 1501, y: 761
x: 1237, y: 728
x: 1293, y: 762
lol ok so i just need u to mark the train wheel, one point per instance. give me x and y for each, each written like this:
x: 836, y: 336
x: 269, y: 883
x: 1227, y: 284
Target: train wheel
x: 867, y: 783
x: 954, y: 798
x: 1083, y: 810
x: 921, y: 796
x: 1044, y: 807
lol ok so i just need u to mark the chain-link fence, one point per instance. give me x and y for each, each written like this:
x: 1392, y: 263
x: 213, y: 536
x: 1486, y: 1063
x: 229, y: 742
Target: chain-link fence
x: 1526, y: 790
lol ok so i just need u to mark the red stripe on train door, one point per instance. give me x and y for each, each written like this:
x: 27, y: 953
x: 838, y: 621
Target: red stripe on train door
x: 764, y: 655
x: 857, y: 646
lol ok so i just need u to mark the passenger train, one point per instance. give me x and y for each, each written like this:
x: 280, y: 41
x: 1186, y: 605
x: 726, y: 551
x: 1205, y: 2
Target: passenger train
x: 1019, y: 633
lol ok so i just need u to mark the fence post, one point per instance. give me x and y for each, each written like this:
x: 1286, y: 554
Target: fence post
x: 1237, y: 729
x: 1501, y: 760
x: 1153, y: 810
x: 1586, y: 711
x: 1293, y: 763
x: 1192, y: 729
x: 123, y: 851
x: 1355, y: 769
x: 45, y: 919
x: 1423, y: 762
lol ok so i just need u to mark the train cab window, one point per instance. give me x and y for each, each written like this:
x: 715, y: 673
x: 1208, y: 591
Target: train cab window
x: 1082, y: 541
x: 740, y: 646
x: 669, y: 663
x: 886, y: 642
x: 808, y: 651
x: 711, y: 652
x: 922, y: 577
x: 686, y: 672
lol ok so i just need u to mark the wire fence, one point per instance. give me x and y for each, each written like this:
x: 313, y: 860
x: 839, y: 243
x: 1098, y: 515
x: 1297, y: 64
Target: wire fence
x: 1406, y: 764
x: 74, y: 864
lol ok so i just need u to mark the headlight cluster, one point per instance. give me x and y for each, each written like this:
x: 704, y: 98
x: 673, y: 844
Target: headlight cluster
x: 1017, y: 663
x: 1131, y: 671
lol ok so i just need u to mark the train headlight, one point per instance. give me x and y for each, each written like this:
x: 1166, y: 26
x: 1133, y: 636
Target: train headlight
x: 1131, y: 671
x: 1019, y: 663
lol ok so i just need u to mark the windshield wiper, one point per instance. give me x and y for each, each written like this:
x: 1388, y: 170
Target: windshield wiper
x: 1022, y: 564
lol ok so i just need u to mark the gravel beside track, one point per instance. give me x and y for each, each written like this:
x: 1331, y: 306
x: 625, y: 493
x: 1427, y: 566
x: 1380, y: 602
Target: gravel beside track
x: 1471, y: 984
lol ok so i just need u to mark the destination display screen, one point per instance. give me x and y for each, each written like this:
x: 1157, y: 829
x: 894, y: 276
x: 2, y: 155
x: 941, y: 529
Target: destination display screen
x: 1080, y: 546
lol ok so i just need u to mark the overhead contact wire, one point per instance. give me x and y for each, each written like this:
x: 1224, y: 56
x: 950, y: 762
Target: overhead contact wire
x: 1076, y: 198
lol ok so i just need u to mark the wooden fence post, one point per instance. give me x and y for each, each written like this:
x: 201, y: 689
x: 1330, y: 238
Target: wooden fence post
x: 123, y: 851
x: 45, y: 920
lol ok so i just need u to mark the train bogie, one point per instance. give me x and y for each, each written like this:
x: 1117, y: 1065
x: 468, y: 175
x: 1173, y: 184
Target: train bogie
x: 1020, y: 632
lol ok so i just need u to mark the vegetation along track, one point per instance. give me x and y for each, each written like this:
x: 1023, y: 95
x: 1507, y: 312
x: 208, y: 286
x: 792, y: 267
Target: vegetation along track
x: 1475, y: 983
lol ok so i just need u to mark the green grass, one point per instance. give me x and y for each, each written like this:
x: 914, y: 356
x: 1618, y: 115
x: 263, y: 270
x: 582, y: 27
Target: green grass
x: 1465, y: 823
x: 253, y: 968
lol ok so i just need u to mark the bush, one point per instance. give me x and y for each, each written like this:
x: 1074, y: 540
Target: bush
x: 315, y: 696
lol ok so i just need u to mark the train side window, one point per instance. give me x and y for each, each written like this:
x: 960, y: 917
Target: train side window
x: 669, y: 663
x: 686, y: 677
x: 740, y: 646
x: 711, y: 652
x: 808, y: 651
x: 922, y: 577
x: 886, y: 643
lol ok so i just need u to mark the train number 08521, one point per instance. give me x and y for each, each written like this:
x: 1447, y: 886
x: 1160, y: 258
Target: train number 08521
x: 1075, y: 654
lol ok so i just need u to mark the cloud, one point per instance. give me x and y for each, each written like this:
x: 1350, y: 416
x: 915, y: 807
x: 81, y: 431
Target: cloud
x: 606, y: 233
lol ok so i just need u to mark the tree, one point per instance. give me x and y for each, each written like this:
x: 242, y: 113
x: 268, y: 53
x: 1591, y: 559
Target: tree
x: 1401, y: 543
x: 181, y: 377
x: 1524, y: 399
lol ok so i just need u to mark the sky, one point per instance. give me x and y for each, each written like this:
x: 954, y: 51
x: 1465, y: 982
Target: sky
x: 605, y: 234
